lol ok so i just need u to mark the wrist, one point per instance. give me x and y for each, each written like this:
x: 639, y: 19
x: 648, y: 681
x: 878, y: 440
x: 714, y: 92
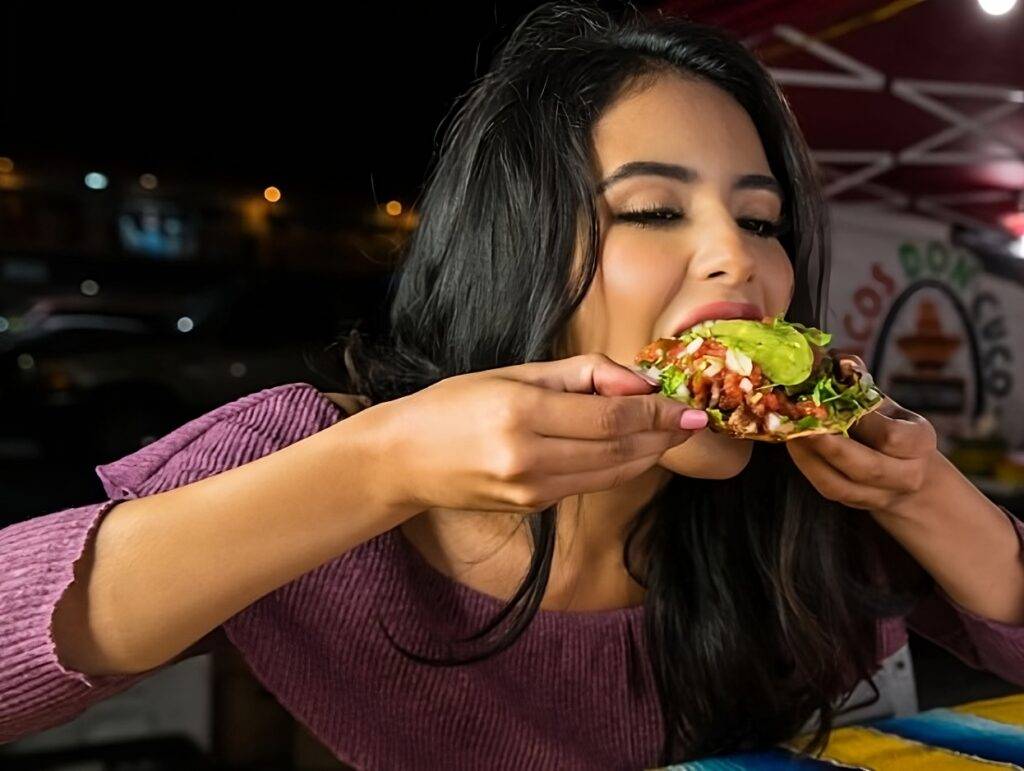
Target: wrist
x: 941, y: 484
x: 363, y: 443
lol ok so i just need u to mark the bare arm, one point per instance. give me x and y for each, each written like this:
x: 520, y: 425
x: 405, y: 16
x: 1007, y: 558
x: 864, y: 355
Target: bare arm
x: 164, y: 570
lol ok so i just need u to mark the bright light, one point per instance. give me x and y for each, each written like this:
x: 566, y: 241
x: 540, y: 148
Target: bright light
x: 90, y: 288
x: 148, y: 181
x: 272, y: 194
x: 394, y: 208
x: 1017, y: 247
x: 185, y: 324
x: 6, y: 165
x: 1014, y: 222
x: 997, y: 7
x: 96, y: 181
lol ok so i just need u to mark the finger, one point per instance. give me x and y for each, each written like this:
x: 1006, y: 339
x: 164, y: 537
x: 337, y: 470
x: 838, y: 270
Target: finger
x: 895, y: 431
x: 861, y: 464
x: 584, y: 374
x: 561, y: 486
x: 833, y: 485
x: 556, y: 455
x: 856, y: 359
x: 592, y: 416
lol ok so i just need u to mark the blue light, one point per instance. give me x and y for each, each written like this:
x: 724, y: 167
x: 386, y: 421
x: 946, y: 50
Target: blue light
x: 96, y: 181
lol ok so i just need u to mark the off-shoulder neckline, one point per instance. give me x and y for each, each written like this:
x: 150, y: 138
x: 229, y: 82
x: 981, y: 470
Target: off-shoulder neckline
x: 493, y: 604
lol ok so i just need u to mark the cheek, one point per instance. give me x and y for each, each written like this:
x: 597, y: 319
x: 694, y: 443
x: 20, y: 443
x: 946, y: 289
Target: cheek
x: 779, y: 282
x: 630, y: 290
x: 636, y: 273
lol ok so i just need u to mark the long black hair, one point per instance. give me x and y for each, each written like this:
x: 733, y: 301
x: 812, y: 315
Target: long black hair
x: 759, y: 593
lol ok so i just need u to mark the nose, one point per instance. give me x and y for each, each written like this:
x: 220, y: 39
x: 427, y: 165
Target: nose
x: 723, y: 253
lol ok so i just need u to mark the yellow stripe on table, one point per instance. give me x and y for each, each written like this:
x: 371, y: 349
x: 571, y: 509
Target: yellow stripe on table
x: 1005, y: 709
x: 879, y: 751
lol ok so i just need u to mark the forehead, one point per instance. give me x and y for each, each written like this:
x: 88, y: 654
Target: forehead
x: 679, y: 120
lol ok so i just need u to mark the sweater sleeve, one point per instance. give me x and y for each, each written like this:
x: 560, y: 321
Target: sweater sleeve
x: 38, y: 556
x: 979, y: 642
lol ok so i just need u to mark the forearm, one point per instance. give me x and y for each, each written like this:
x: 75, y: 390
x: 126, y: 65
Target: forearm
x: 964, y: 541
x: 162, y: 571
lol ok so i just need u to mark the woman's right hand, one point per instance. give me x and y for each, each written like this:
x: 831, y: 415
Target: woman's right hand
x: 523, y: 437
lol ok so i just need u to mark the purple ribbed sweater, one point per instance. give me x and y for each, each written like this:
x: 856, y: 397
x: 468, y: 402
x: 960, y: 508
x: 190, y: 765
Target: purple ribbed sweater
x: 575, y: 692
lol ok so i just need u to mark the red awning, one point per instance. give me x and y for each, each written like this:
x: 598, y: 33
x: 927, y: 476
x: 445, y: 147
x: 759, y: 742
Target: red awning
x: 931, y: 113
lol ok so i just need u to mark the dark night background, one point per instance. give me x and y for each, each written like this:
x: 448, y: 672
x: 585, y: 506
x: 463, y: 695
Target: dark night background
x: 299, y: 96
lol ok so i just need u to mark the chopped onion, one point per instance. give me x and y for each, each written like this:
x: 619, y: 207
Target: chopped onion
x: 651, y: 374
x: 714, y: 366
x: 738, y: 361
x: 716, y: 391
x: 772, y: 422
x: 746, y: 386
x: 694, y: 345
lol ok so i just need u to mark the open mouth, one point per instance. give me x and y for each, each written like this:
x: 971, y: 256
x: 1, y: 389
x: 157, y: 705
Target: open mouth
x: 720, y: 309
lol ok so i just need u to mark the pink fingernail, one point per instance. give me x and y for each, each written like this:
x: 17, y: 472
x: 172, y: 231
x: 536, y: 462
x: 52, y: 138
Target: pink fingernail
x: 693, y: 419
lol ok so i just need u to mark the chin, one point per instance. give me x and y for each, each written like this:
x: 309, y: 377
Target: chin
x: 708, y: 455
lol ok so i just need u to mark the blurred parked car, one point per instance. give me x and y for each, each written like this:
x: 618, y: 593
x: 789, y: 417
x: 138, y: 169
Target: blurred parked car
x: 102, y: 376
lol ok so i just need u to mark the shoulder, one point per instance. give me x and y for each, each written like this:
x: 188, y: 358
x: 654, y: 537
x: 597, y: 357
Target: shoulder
x: 230, y: 435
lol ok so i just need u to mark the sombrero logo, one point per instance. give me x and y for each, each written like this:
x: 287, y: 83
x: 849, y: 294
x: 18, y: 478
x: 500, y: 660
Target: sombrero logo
x: 936, y: 342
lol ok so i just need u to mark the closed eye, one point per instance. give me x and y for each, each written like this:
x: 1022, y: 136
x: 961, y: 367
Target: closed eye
x: 765, y: 228
x: 646, y: 217
x: 661, y: 217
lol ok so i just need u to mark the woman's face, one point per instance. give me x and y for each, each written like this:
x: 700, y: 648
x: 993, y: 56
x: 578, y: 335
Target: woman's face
x: 711, y: 243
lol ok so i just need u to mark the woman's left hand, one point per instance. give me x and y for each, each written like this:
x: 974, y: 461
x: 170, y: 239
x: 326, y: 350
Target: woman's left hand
x: 881, y: 468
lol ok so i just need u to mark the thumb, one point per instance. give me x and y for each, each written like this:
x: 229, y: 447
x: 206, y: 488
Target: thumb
x: 613, y: 379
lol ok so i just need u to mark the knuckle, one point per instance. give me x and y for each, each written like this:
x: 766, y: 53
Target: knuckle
x: 528, y: 400
x: 504, y: 413
x: 507, y: 408
x: 525, y: 496
x: 612, y: 418
x: 893, y: 440
x: 622, y: 447
x: 873, y: 474
x: 510, y: 462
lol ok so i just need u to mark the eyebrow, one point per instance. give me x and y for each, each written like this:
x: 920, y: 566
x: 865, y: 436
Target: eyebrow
x: 686, y: 174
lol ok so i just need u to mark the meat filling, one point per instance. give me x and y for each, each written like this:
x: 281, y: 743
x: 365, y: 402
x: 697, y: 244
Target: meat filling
x: 749, y: 405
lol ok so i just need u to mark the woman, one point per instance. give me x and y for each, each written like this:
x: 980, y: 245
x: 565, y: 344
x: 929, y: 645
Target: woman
x: 518, y: 556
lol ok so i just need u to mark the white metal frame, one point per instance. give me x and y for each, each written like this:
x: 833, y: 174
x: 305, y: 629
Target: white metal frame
x: 923, y: 94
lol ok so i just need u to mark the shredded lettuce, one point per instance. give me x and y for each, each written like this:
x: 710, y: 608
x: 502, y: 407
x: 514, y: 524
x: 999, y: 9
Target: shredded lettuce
x: 808, y: 421
x: 671, y: 378
x: 824, y: 390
